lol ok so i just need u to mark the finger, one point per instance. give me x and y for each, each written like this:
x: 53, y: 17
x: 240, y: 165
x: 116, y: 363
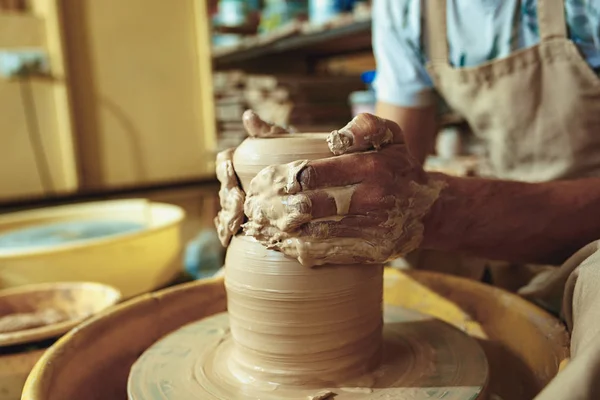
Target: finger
x: 349, y: 200
x: 283, y: 212
x: 364, y: 132
x: 229, y: 219
x: 349, y: 169
x: 351, y: 226
x: 288, y: 213
x: 224, y: 168
x: 256, y: 127
x: 349, y: 251
x: 318, y: 242
x: 352, y: 250
x: 335, y: 171
x: 365, y: 239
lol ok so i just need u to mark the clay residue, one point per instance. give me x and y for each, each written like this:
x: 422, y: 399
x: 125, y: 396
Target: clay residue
x: 231, y: 195
x: 342, y: 197
x: 378, y: 213
x: 229, y: 219
x: 256, y: 127
x: 195, y: 361
x: 361, y: 390
x: 297, y: 326
x: 339, y: 142
x: 22, y: 321
x: 276, y: 228
x: 345, y: 140
x: 273, y: 200
x: 322, y: 395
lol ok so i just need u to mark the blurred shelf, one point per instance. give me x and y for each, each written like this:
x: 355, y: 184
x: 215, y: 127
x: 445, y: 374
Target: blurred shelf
x: 451, y: 119
x: 348, y: 34
x: 236, y: 30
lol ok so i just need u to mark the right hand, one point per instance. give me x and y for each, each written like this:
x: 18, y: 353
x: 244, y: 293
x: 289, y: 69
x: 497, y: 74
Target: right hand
x: 365, y: 204
x: 231, y: 196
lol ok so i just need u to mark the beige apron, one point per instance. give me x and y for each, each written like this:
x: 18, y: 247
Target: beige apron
x: 538, y: 111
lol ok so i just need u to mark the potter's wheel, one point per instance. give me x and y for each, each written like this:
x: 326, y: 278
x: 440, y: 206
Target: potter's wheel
x: 423, y: 358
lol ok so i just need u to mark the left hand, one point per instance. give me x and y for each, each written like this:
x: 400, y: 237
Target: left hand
x: 231, y: 196
x: 365, y: 205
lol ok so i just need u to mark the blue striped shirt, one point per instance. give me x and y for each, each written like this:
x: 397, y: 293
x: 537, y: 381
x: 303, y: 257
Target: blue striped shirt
x: 478, y: 31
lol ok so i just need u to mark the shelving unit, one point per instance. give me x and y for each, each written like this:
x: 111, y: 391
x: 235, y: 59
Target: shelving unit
x: 299, y: 40
x: 122, y: 106
x: 298, y: 47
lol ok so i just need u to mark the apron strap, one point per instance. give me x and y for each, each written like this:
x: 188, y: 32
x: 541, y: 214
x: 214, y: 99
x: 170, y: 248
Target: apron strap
x: 551, y: 19
x: 436, y: 38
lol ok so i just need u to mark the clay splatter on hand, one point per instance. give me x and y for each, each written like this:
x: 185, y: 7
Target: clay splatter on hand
x: 231, y: 196
x: 363, y: 207
x: 229, y: 219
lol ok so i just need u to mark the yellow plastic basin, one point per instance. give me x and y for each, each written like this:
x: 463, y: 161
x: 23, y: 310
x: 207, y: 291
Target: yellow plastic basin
x: 524, y: 345
x: 134, y: 262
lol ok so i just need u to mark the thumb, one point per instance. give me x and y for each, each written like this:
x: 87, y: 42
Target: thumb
x: 256, y: 127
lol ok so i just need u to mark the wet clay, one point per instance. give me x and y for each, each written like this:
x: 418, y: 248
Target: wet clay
x: 293, y: 332
x: 423, y: 359
x: 276, y: 226
x: 277, y: 208
x: 294, y: 325
x: 229, y: 219
x: 344, y: 141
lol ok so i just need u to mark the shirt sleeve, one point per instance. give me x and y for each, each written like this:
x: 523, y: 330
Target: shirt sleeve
x: 402, y: 77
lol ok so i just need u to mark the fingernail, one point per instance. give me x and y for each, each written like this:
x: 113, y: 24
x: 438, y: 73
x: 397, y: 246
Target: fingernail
x: 339, y: 141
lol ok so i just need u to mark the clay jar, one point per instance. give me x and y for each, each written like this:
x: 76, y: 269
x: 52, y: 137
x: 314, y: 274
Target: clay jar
x: 292, y: 324
x: 254, y: 154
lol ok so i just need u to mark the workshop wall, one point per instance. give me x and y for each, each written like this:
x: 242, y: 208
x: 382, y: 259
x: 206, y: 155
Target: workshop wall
x: 103, y: 96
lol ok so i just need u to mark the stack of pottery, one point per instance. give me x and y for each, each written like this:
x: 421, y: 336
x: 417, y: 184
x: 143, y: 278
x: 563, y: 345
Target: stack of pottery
x: 32, y: 317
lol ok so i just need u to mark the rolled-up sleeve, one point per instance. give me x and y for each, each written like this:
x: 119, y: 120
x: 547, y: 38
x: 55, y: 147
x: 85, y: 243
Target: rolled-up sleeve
x: 580, y: 278
x: 402, y: 77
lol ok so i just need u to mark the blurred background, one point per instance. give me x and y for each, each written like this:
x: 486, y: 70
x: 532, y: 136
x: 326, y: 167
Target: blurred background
x: 113, y: 99
x: 112, y: 113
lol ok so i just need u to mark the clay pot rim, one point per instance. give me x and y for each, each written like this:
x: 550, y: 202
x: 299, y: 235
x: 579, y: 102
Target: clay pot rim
x: 311, y: 135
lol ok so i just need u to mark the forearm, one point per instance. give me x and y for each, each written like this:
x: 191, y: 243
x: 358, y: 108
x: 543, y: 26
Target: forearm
x: 421, y: 140
x: 419, y: 125
x: 514, y: 221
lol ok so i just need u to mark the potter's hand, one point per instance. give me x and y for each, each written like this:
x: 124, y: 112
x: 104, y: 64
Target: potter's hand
x: 363, y: 205
x: 231, y: 196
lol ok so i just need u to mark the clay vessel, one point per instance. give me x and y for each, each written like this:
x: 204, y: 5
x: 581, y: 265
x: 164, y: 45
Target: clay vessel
x: 253, y: 154
x: 524, y: 345
x: 292, y: 324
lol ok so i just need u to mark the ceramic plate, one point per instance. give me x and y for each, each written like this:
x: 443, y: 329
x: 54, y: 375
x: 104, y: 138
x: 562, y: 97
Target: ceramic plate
x: 49, y: 310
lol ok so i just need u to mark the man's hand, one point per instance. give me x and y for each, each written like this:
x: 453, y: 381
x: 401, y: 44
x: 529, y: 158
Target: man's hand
x: 363, y: 205
x: 231, y: 196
